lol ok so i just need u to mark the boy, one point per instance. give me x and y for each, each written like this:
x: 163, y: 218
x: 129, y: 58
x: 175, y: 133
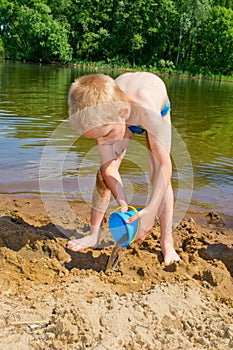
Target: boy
x: 111, y: 112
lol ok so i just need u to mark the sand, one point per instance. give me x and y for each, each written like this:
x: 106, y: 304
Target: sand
x: 52, y: 298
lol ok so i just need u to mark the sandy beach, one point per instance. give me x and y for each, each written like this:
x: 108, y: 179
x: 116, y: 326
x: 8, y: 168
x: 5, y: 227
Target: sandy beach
x: 52, y: 298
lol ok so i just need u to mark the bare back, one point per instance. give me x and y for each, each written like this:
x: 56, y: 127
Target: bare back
x: 143, y: 88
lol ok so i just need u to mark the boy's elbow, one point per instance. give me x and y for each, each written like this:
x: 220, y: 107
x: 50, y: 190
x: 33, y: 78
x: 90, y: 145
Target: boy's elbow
x: 108, y: 169
x: 167, y: 168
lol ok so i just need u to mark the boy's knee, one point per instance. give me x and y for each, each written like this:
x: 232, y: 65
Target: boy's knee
x: 100, y: 183
x: 99, y: 176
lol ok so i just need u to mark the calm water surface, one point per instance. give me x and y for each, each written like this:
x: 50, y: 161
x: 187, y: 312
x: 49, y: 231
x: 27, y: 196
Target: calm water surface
x: 37, y: 144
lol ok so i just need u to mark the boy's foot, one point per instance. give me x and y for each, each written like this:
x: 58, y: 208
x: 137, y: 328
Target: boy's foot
x: 170, y: 255
x: 89, y: 241
x: 168, y: 250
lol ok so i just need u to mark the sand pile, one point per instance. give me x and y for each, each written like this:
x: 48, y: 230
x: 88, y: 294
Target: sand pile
x: 52, y: 298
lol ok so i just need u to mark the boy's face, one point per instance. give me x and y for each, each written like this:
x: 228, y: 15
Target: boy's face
x: 107, y: 133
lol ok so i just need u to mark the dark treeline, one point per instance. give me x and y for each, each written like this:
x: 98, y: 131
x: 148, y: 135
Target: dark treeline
x: 194, y: 36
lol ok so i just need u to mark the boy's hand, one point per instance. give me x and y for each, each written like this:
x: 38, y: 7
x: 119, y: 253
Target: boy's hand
x: 123, y: 205
x: 147, y: 220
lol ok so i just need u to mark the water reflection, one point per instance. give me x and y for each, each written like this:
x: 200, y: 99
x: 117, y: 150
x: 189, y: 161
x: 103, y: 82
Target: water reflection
x: 33, y: 103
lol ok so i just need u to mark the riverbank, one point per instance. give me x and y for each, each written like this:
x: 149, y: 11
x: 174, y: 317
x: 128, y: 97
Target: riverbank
x: 95, y: 66
x: 52, y: 298
x: 106, y: 68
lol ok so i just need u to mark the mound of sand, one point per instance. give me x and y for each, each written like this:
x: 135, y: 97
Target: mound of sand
x: 52, y: 298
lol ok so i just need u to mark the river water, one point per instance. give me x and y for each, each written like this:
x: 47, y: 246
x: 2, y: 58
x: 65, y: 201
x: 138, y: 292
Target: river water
x: 40, y: 154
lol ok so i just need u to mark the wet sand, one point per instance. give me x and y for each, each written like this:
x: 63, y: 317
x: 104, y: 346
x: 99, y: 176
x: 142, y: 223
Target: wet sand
x: 52, y: 298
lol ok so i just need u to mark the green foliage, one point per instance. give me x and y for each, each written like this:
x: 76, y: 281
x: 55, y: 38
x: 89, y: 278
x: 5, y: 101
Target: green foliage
x: 191, y: 16
x: 181, y: 35
x: 224, y: 3
x: 31, y: 32
x: 214, y: 48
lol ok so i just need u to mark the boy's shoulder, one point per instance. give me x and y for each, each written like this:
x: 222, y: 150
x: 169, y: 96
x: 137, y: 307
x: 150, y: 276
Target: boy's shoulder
x: 139, y: 79
x: 141, y: 84
x: 138, y: 76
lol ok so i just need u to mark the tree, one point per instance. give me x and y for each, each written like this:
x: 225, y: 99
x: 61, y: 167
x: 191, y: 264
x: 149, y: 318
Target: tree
x: 191, y: 15
x: 141, y: 30
x: 189, y: 35
x: 31, y: 32
x: 214, y: 47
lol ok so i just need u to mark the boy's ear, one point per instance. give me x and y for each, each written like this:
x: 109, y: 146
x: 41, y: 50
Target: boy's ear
x: 124, y: 112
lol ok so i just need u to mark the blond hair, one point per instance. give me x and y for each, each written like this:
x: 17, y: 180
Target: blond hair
x: 95, y: 100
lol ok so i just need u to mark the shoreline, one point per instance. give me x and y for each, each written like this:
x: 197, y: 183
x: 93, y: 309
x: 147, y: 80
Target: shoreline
x: 95, y: 67
x: 199, y: 215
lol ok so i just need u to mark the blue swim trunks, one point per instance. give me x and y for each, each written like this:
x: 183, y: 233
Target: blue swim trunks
x: 137, y: 129
x: 166, y: 108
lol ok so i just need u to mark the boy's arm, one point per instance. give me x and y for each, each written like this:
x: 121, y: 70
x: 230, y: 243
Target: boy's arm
x: 159, y: 143
x: 113, y: 180
x: 161, y: 173
x: 108, y: 181
x: 110, y: 164
x: 161, y: 170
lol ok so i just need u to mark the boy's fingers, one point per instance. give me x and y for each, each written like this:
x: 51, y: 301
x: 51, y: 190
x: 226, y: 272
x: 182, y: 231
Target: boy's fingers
x: 141, y: 238
x: 124, y: 209
x: 133, y: 218
x: 124, y: 206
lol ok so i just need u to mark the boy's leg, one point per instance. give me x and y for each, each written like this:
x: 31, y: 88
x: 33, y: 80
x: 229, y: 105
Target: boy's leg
x: 100, y: 201
x: 165, y: 218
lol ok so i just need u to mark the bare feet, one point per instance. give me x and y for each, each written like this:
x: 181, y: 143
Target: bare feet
x: 89, y: 241
x: 167, y: 246
x: 168, y: 250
